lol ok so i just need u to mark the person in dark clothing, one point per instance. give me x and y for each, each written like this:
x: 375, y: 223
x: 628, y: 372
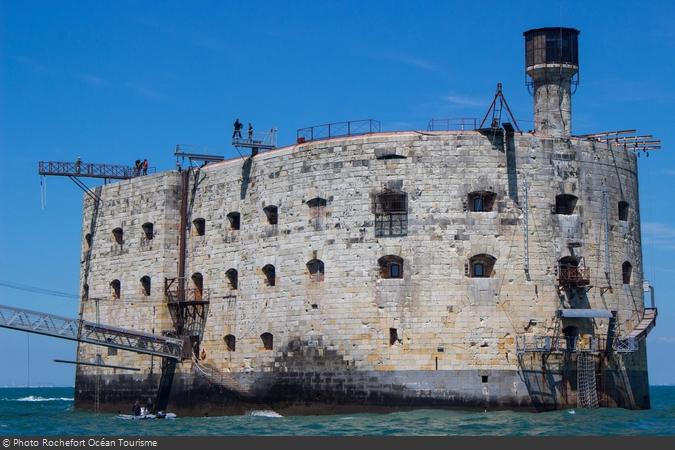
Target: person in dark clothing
x: 137, y: 165
x: 250, y: 131
x: 237, y: 129
x: 149, y: 406
x: 145, y: 166
x: 137, y: 408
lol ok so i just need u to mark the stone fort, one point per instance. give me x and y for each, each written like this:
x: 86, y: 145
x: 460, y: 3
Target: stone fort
x: 483, y: 267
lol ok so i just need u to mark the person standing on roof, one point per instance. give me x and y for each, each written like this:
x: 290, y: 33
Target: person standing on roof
x: 145, y: 166
x: 250, y: 131
x: 237, y: 129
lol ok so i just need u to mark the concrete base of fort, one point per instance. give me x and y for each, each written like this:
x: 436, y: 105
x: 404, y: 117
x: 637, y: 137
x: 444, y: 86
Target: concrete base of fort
x: 297, y: 393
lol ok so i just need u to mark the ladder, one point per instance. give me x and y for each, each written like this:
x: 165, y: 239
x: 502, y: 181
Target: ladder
x: 587, y: 394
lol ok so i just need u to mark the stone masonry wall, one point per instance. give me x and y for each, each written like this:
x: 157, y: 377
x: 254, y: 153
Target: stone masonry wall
x: 445, y: 320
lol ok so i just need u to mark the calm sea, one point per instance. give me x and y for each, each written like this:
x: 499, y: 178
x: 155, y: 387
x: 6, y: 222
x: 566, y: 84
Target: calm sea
x: 49, y: 411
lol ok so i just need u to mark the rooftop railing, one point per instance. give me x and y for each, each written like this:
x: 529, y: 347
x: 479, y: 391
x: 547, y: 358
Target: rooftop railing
x: 337, y: 129
x: 454, y: 124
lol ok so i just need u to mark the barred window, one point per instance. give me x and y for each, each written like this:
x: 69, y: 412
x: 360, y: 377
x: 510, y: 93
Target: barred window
x: 391, y: 214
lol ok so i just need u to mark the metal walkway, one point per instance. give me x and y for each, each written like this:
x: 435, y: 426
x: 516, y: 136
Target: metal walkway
x: 89, y: 332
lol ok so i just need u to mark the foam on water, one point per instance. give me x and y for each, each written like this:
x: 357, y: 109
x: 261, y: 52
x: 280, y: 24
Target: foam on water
x: 264, y: 413
x: 35, y: 398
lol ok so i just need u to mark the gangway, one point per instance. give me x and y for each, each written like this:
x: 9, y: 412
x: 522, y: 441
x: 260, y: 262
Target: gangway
x: 89, y: 332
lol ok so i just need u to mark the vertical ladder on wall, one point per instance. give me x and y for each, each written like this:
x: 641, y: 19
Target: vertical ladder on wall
x: 587, y: 395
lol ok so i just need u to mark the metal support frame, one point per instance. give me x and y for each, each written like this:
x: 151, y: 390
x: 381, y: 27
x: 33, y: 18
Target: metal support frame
x: 89, y: 332
x: 496, y: 109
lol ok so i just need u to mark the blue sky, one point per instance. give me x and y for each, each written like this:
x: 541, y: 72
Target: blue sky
x: 116, y: 81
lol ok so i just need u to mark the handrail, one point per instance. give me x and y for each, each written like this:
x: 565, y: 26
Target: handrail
x: 337, y: 129
x: 453, y: 124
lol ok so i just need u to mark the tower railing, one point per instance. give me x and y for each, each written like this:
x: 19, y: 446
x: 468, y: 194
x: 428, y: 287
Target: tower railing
x: 453, y: 124
x: 337, y: 129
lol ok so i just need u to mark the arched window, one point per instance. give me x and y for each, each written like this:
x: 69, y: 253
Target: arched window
x: 317, y: 207
x: 626, y: 271
x: 267, y: 340
x: 232, y: 278
x: 271, y: 212
x: 391, y: 214
x: 623, y: 210
x: 146, y: 285
x: 235, y: 220
x: 85, y: 291
x: 148, y: 230
x: 118, y: 236
x: 391, y: 266
x: 481, y: 201
x: 116, y: 288
x: 481, y: 266
x: 270, y: 274
x: 315, y: 268
x: 198, y: 285
x: 199, y: 226
x: 231, y: 342
x: 87, y: 241
x: 565, y: 204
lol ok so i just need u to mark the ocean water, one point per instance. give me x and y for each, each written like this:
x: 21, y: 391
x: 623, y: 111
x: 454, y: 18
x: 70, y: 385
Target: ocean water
x: 49, y: 411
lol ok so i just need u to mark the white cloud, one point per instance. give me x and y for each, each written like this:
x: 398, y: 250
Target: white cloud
x: 463, y: 100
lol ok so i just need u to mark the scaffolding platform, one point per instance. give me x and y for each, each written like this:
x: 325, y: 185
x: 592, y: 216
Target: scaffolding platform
x: 89, y: 170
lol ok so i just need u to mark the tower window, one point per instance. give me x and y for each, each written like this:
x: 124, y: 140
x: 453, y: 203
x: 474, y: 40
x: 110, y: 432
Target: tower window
x: 272, y: 215
x: 391, y: 214
x: 199, y: 226
x: 315, y: 268
x: 148, y: 230
x: 565, y: 204
x: 270, y: 274
x: 231, y: 342
x: 391, y: 266
x: 232, y: 278
x: 118, y: 236
x: 393, y: 336
x: 481, y: 201
x: 481, y: 266
x: 235, y: 220
x: 146, y: 284
x: 85, y: 291
x: 198, y: 285
x: 626, y: 271
x: 116, y: 288
x: 317, y: 207
x: 87, y: 240
x: 623, y: 210
x: 267, y: 340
